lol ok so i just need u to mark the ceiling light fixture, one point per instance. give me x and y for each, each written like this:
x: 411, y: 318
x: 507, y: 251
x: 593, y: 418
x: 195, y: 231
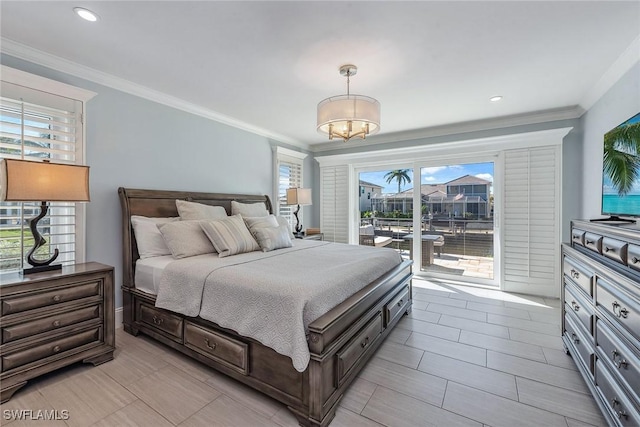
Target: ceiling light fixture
x: 85, y: 14
x: 495, y: 98
x: 346, y: 116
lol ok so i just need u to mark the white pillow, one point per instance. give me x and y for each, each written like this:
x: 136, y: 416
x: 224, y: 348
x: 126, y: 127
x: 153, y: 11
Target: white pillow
x: 148, y: 238
x: 193, y: 210
x: 260, y: 222
x: 230, y: 236
x: 270, y: 238
x: 248, y: 209
x: 185, y: 238
x: 283, y: 222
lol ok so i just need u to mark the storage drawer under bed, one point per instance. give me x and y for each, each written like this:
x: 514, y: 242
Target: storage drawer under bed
x: 159, y: 320
x: 224, y: 349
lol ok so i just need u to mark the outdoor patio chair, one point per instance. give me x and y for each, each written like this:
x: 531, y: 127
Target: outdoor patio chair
x: 368, y: 237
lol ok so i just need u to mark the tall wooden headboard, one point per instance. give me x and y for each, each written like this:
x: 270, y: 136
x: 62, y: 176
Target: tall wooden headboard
x: 161, y: 203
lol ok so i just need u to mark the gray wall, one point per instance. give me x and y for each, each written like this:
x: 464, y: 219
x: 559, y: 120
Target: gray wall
x: 133, y: 142
x: 621, y: 102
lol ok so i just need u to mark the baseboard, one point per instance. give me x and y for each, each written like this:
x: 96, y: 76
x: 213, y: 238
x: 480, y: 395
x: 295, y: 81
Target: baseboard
x: 118, y: 318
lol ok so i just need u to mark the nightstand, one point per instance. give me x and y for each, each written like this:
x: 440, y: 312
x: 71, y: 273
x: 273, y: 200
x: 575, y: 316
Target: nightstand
x: 318, y: 236
x: 53, y: 319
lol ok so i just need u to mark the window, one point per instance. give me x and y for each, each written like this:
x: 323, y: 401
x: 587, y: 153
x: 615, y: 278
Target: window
x: 289, y: 173
x: 41, y: 119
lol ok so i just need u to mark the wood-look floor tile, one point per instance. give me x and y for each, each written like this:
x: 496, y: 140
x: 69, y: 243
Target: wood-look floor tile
x: 249, y: 397
x: 559, y: 358
x: 425, y: 315
x: 399, y: 410
x: 131, y: 364
x: 475, y: 298
x: 427, y: 328
x: 440, y: 300
x: 474, y: 326
x: 458, y: 312
x: 197, y: 370
x: 559, y: 400
x: 466, y: 353
x: 224, y: 412
x: 553, y: 302
x: 538, y: 306
x: 159, y: 390
x: 358, y: 394
x: 553, y: 318
x: 346, y: 418
x: 400, y: 354
x: 502, y: 345
x: 26, y: 398
x: 285, y: 418
x: 504, y: 311
x: 134, y: 415
x: 414, y: 383
x: 497, y: 411
x: 576, y: 423
x: 398, y: 335
x: 419, y: 305
x: 527, y: 325
x: 428, y: 285
x: 535, y: 338
x: 88, y: 397
x: 538, y: 371
x: 469, y: 374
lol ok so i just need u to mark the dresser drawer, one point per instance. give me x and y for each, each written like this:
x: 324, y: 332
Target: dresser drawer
x: 580, y: 275
x: 577, y: 236
x: 42, y: 299
x: 581, y: 347
x: 623, y: 309
x: 579, y: 306
x: 160, y: 320
x: 614, y: 249
x: 633, y: 257
x: 33, y: 327
x: 396, y: 306
x: 615, y: 399
x: 357, y: 347
x: 618, y: 351
x: 224, y: 349
x: 593, y: 241
x: 56, y: 347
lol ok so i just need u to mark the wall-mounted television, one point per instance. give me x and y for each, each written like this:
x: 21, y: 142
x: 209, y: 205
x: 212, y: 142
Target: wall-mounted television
x: 621, y: 170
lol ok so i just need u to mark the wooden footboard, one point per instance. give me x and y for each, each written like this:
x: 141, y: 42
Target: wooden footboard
x: 340, y: 342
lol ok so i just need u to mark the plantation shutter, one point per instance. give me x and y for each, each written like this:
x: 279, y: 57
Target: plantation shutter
x: 334, y: 203
x: 36, y: 125
x: 531, y: 229
x: 289, y: 172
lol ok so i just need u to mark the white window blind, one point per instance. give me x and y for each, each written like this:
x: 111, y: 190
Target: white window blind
x: 36, y: 125
x: 531, y: 220
x: 289, y: 173
x: 334, y: 203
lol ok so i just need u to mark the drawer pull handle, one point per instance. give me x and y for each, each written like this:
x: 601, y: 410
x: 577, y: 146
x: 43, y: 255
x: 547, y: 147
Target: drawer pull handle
x: 619, y: 312
x: 621, y: 413
x: 56, y: 298
x: 56, y: 349
x: 575, y: 339
x: 607, y: 249
x: 56, y: 323
x: 209, y: 345
x: 574, y: 274
x: 400, y: 303
x: 590, y: 242
x: 157, y: 320
x: 365, y: 342
x: 635, y: 260
x: 622, y: 363
x: 575, y: 306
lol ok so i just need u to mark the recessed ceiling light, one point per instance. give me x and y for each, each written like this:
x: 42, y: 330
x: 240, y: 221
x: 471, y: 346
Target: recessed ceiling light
x: 495, y: 98
x: 85, y: 14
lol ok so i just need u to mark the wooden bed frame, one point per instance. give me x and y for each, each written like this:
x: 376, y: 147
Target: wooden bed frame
x: 340, y: 342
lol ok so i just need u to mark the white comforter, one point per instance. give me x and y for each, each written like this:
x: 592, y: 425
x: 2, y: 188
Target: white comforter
x: 272, y: 297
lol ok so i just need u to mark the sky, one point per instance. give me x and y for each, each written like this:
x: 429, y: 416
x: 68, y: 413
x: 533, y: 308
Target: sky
x: 432, y: 175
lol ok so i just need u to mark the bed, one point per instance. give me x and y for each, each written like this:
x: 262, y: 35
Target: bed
x: 338, y: 343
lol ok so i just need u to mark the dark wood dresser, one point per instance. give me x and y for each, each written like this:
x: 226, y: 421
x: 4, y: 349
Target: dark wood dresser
x: 53, y: 319
x: 601, y: 321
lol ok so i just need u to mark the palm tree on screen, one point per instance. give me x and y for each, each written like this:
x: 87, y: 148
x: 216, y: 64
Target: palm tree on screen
x: 622, y: 156
x: 400, y: 175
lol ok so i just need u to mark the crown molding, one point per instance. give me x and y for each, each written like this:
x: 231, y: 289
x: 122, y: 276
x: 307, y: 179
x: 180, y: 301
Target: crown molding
x: 459, y: 128
x: 24, y: 52
x: 625, y: 61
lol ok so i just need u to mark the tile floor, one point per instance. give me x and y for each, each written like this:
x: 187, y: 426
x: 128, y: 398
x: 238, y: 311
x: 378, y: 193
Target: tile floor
x: 465, y: 356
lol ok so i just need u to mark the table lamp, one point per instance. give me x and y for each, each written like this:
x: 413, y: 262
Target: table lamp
x: 300, y: 197
x: 31, y: 181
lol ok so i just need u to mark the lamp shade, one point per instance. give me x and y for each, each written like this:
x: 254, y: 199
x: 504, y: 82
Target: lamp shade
x: 338, y: 111
x: 27, y: 181
x: 299, y: 196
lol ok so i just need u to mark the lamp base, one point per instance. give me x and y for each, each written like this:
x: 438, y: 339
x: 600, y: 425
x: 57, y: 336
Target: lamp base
x: 41, y: 268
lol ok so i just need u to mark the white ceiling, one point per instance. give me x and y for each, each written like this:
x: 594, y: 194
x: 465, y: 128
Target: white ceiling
x: 265, y: 65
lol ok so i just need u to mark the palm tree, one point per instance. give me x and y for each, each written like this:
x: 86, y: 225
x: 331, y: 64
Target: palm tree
x: 622, y: 155
x: 401, y: 175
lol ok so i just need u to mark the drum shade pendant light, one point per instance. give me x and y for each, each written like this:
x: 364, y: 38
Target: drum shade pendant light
x: 348, y: 116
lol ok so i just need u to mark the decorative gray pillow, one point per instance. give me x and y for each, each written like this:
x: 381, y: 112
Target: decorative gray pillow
x: 284, y: 222
x: 270, y: 238
x: 260, y: 222
x: 248, y: 209
x: 193, y: 210
x: 185, y: 239
x: 230, y: 236
x: 148, y: 238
